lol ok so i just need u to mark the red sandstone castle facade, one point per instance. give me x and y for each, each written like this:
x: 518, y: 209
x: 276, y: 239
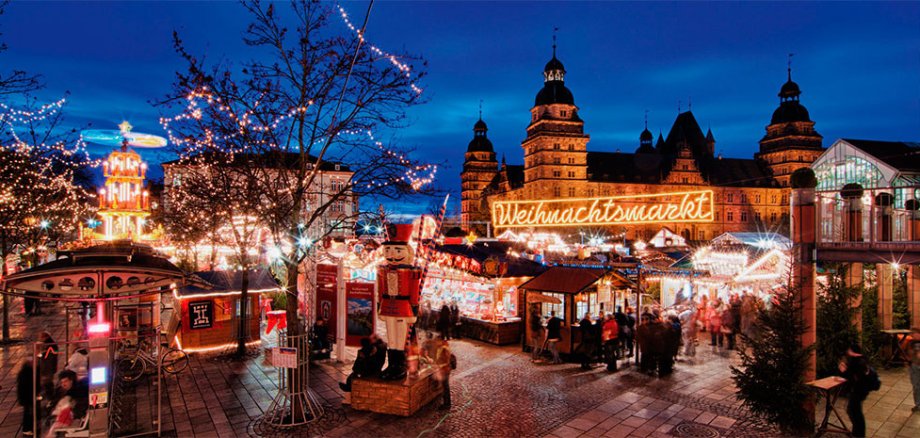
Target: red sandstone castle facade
x: 747, y: 194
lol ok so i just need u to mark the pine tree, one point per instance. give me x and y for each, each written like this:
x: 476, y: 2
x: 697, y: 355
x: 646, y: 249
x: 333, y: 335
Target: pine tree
x: 770, y: 377
x: 835, y: 329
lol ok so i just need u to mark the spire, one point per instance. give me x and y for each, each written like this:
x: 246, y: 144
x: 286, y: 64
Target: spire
x: 789, y: 67
x: 504, y: 164
x: 646, y: 120
x: 555, y: 30
x: 480, y: 109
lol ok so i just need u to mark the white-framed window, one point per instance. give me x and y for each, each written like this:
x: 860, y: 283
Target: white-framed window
x: 729, y: 216
x: 557, y: 192
x: 571, y: 191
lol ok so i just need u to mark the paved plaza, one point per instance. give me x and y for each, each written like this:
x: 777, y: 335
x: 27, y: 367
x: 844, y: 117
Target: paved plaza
x: 497, y: 391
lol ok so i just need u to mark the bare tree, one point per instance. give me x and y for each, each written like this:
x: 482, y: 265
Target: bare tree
x: 303, y: 112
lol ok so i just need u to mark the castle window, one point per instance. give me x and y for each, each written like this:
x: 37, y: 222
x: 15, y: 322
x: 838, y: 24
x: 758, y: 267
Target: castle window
x: 757, y: 216
x: 785, y: 200
x: 743, y: 198
x: 702, y: 235
x: 773, y: 217
x: 590, y: 192
x: 571, y: 191
x: 557, y: 192
x: 729, y: 216
x: 743, y: 216
x: 717, y: 215
x: 571, y: 147
x: 571, y: 160
x: 684, y: 167
x: 684, y: 180
x: 801, y: 158
x: 730, y: 197
x: 557, y: 174
x: 557, y: 160
x: 571, y: 174
x: 757, y: 199
x: 556, y: 146
x: 606, y: 191
x: 773, y: 199
x: 562, y: 113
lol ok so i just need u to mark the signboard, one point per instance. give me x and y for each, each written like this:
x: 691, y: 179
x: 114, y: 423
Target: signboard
x: 362, y: 318
x: 200, y: 314
x: 679, y: 207
x: 326, y: 285
x: 284, y: 357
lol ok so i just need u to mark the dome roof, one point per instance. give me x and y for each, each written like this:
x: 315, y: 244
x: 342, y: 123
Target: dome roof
x: 554, y: 64
x: 789, y: 89
x: 554, y: 92
x: 480, y: 126
x: 790, y: 111
x: 479, y: 144
x: 645, y: 135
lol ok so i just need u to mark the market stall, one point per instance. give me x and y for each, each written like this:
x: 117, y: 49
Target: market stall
x: 483, y: 282
x: 208, y: 317
x: 572, y: 292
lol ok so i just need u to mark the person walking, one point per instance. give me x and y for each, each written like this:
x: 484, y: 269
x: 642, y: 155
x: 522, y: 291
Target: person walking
x: 610, y: 336
x: 537, y: 335
x: 443, y: 325
x: 620, y: 318
x: 25, y: 395
x: 735, y: 308
x: 855, y: 369
x: 444, y: 362
x: 715, y: 325
x: 915, y: 366
x: 586, y: 348
x: 688, y: 327
x: 630, y: 332
x: 728, y: 326
x: 47, y: 364
x: 554, y: 335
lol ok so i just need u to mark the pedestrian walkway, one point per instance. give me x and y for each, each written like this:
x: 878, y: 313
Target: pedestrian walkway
x: 497, y: 392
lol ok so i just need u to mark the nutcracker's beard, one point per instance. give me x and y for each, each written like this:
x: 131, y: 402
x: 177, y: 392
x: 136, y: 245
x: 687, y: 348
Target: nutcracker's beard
x: 398, y: 254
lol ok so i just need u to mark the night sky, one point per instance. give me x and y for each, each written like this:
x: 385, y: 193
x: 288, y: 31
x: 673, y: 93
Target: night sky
x: 858, y: 65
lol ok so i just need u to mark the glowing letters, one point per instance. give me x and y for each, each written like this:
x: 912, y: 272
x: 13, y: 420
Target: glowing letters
x: 611, y: 210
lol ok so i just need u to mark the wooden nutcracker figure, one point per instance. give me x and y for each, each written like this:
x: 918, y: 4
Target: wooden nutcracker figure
x: 398, y: 289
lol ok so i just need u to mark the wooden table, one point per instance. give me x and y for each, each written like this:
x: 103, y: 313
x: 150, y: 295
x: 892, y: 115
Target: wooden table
x: 898, y: 356
x: 829, y: 388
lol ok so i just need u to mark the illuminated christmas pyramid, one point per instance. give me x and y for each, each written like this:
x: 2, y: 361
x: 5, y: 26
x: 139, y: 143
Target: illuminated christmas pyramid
x: 124, y: 203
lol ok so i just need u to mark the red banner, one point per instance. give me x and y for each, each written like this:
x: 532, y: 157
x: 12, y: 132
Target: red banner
x: 362, y: 318
x: 326, y: 284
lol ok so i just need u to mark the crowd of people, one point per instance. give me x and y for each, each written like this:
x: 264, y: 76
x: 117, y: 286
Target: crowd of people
x: 62, y: 397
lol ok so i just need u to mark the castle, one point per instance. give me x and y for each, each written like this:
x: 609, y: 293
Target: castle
x: 746, y: 194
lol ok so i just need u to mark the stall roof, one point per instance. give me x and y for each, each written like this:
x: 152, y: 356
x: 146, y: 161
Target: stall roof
x: 565, y: 280
x: 224, y: 282
x: 517, y: 266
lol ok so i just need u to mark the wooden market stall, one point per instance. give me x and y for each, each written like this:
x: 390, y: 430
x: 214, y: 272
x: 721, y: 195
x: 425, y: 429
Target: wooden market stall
x: 483, y: 280
x: 571, y: 292
x: 209, y: 316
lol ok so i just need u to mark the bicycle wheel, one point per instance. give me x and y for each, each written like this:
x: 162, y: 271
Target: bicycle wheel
x: 131, y: 368
x: 175, y: 361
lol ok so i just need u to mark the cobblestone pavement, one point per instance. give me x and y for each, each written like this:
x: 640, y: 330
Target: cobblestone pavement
x: 497, y: 391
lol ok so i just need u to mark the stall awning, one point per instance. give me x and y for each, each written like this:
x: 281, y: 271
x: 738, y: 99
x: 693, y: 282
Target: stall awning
x: 231, y: 283
x: 565, y: 280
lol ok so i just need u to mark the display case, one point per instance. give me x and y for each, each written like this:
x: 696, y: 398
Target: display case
x: 488, y: 307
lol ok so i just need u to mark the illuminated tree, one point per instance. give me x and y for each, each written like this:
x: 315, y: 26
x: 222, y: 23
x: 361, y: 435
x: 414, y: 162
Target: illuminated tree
x: 42, y: 172
x: 305, y: 107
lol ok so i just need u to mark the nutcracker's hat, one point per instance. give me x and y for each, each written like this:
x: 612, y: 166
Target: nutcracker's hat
x: 399, y: 233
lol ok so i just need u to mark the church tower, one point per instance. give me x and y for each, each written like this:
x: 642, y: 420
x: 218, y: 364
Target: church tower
x: 791, y: 142
x: 555, y: 150
x: 479, y: 169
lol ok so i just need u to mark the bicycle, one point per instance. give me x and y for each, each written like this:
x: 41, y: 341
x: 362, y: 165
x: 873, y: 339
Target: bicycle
x: 134, y: 365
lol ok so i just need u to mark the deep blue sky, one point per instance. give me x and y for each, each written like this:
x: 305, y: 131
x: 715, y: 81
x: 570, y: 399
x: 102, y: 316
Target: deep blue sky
x: 858, y: 65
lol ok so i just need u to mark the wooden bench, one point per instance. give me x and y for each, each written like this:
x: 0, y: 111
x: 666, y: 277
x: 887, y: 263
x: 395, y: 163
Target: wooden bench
x: 400, y: 397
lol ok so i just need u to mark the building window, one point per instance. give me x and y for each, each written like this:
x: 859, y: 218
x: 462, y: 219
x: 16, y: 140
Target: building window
x: 557, y: 160
x: 730, y: 198
x: 717, y: 215
x: 702, y: 235
x: 773, y: 199
x: 684, y: 167
x: 729, y: 216
x: 744, y: 198
x: 590, y: 192
x: 571, y: 160
x: 562, y: 113
x: 556, y: 146
x: 571, y: 147
x: 571, y: 174
x: 571, y: 191
x: 557, y: 174
x: 557, y: 192
x: 773, y: 217
x: 757, y: 199
x: 743, y: 216
x: 785, y: 200
x: 683, y: 180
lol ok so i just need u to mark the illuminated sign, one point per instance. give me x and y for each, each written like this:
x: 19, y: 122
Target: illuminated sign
x: 201, y: 314
x: 696, y: 206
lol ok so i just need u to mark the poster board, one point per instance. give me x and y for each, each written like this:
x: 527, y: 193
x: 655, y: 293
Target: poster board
x: 360, y: 311
x: 326, y: 300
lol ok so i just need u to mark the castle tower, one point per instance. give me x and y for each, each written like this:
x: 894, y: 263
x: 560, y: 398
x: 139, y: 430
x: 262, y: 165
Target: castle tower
x: 479, y: 169
x: 555, y: 150
x: 791, y: 142
x: 124, y: 203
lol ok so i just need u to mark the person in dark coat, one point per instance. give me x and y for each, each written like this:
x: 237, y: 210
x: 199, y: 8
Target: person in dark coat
x: 379, y: 357
x: 77, y: 389
x: 47, y: 363
x: 455, y: 320
x: 645, y: 334
x: 444, y: 323
x: 855, y: 368
x: 736, y: 320
x: 587, y: 347
x: 670, y: 345
x: 364, y: 364
x: 554, y: 335
x: 629, y: 335
x: 25, y: 395
x: 620, y: 318
x: 728, y: 327
x: 598, y: 339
